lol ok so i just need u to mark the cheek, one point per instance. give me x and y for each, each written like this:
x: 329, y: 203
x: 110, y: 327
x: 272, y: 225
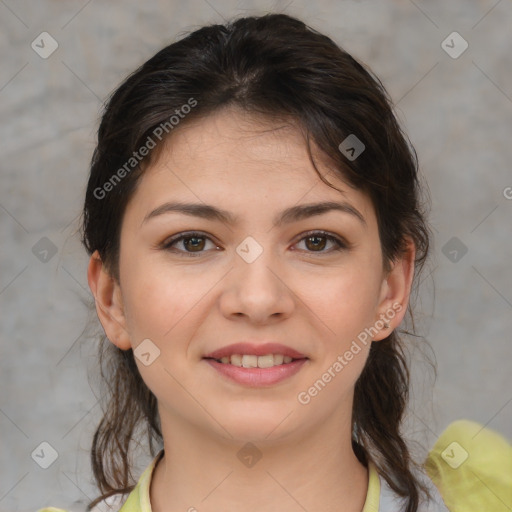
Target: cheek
x: 346, y: 301
x: 160, y: 307
x: 157, y: 298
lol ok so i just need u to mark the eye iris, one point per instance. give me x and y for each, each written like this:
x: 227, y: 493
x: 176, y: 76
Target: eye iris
x: 199, y: 246
x: 315, y: 245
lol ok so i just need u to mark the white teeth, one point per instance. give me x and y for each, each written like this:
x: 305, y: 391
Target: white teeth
x: 249, y: 361
x: 236, y: 360
x: 252, y: 361
x: 278, y: 359
x: 266, y: 361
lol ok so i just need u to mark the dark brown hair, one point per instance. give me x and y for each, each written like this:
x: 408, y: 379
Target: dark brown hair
x: 273, y: 65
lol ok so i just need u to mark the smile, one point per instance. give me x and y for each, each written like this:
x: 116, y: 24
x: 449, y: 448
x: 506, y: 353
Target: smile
x: 253, y: 361
x: 257, y: 371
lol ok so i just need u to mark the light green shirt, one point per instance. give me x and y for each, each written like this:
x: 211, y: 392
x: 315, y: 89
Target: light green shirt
x: 470, y: 470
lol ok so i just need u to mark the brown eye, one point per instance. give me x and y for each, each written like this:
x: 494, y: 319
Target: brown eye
x: 194, y: 243
x: 317, y: 242
x: 189, y: 244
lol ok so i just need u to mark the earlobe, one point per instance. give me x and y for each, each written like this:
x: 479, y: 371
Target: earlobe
x: 109, y: 305
x: 395, y: 292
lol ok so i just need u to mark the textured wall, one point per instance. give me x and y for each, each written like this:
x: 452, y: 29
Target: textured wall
x: 457, y: 112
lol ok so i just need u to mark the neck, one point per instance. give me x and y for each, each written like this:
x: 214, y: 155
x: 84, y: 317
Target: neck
x: 315, y: 470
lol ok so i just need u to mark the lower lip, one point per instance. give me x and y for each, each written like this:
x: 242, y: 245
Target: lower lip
x: 257, y: 377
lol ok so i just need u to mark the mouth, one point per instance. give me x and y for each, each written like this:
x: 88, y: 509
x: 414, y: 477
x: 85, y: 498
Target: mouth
x: 256, y: 365
x: 244, y: 354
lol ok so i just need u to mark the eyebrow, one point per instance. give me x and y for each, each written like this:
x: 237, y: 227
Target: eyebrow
x: 292, y: 214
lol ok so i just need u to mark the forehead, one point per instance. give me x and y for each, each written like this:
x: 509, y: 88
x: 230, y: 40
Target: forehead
x: 232, y: 141
x: 235, y: 158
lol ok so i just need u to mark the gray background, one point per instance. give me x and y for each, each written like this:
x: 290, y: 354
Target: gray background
x: 457, y: 112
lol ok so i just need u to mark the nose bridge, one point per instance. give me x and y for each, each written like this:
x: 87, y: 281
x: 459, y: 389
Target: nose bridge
x: 250, y: 250
x: 256, y: 261
x: 257, y: 290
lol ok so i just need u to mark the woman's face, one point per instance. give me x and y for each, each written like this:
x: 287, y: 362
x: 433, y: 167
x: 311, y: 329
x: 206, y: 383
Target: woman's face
x: 258, y: 269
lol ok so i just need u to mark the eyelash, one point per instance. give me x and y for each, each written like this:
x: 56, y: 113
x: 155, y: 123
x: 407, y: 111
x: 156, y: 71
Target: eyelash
x: 168, y: 243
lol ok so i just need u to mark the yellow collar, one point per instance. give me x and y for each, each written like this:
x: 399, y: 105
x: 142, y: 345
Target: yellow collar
x: 138, y: 500
x: 373, y: 495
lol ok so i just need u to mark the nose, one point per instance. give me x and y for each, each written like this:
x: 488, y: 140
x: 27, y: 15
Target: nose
x: 258, y: 291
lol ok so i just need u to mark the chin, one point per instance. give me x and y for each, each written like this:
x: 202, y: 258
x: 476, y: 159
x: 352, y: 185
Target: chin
x: 264, y: 423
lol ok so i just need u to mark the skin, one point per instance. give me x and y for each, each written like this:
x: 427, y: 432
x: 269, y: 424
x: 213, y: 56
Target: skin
x: 316, y: 300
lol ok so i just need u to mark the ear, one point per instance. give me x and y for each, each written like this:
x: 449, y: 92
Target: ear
x: 395, y: 292
x: 109, y: 305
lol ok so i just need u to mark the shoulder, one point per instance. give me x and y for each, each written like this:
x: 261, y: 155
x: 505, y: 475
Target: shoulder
x: 135, y: 501
x: 51, y: 509
x: 468, y: 468
x: 471, y: 466
x: 111, y: 504
x: 390, y: 502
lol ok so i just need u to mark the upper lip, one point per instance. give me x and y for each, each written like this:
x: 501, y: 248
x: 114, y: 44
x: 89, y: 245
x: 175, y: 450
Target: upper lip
x: 259, y: 349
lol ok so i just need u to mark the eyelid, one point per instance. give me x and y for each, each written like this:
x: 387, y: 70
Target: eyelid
x: 169, y: 241
x: 336, y: 239
x: 340, y: 242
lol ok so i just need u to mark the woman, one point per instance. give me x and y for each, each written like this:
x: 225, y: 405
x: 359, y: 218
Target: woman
x: 255, y: 225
